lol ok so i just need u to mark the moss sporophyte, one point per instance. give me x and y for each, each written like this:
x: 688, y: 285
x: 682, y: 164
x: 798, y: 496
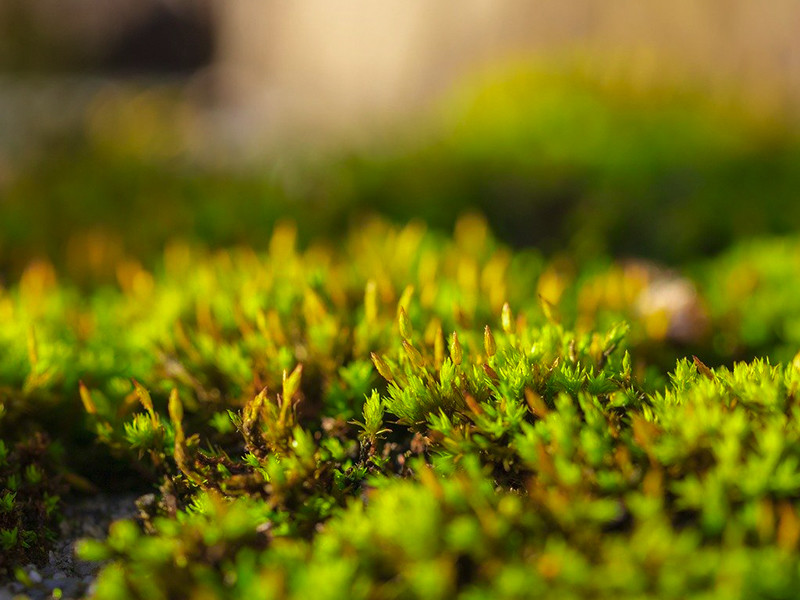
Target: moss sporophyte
x: 408, y: 416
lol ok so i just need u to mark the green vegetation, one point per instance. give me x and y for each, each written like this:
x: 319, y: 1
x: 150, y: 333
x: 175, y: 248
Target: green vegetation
x: 409, y: 415
x: 28, y: 502
x: 562, y: 159
x: 367, y: 407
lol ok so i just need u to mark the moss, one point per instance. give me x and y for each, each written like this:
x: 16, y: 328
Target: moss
x: 30, y: 489
x: 409, y: 414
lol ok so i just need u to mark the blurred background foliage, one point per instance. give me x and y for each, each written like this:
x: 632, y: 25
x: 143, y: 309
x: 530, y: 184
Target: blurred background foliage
x: 119, y: 135
x: 554, y: 157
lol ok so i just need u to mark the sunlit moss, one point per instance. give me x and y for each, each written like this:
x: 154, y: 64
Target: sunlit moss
x: 402, y: 416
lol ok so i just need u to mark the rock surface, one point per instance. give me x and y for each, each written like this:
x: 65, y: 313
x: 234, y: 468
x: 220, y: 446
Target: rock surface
x: 73, y: 578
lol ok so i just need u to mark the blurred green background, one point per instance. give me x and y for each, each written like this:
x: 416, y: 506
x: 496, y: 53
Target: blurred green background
x: 119, y: 134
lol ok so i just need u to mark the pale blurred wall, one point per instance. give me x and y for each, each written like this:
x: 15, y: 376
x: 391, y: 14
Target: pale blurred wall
x: 324, y: 67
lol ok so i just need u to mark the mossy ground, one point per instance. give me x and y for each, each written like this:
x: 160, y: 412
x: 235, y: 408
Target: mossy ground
x: 394, y: 411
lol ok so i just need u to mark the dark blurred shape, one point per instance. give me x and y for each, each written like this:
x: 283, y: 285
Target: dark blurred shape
x: 166, y: 41
x: 152, y: 36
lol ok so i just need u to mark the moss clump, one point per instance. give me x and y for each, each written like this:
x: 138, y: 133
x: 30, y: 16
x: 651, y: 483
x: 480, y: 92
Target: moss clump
x: 412, y: 415
x: 535, y: 463
x: 29, y: 501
